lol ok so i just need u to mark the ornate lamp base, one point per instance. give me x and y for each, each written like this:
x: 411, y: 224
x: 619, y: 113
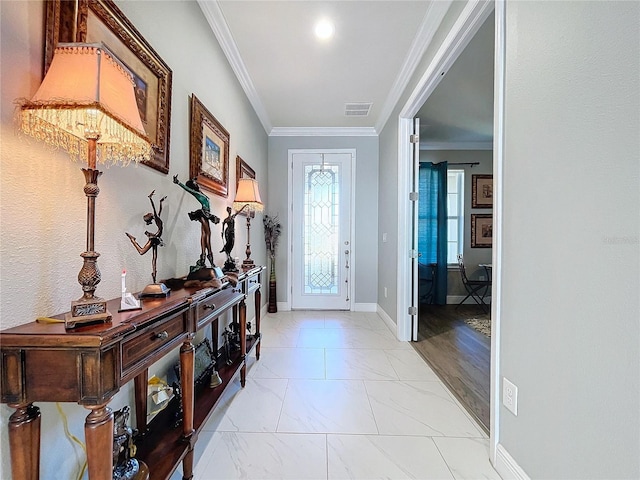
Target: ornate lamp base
x: 155, y: 290
x: 85, y: 311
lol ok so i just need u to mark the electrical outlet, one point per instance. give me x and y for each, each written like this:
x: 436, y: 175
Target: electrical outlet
x: 385, y: 292
x: 510, y: 396
x: 384, y: 239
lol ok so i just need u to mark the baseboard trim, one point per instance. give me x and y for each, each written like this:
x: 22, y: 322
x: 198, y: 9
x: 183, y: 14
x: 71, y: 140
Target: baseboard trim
x: 507, y: 467
x: 388, y: 321
x: 365, y: 307
x: 283, y: 306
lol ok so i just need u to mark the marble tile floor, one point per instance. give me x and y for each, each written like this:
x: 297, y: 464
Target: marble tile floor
x: 336, y: 396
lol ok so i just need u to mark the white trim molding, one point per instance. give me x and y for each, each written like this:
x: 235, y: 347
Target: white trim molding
x: 323, y: 132
x: 507, y: 467
x: 388, y: 321
x: 365, y: 307
x: 213, y: 13
x: 430, y: 23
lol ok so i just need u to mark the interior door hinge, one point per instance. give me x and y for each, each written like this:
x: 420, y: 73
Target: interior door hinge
x: 413, y: 254
x: 415, y: 138
x: 413, y: 310
x: 413, y: 196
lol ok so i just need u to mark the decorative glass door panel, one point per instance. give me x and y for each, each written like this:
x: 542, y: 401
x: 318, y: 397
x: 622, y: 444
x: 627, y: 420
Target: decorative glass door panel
x: 321, y: 230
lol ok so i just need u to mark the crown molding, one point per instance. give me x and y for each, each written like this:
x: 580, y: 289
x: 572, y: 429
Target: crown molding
x: 430, y: 23
x: 323, y: 132
x: 215, y: 17
x: 456, y: 146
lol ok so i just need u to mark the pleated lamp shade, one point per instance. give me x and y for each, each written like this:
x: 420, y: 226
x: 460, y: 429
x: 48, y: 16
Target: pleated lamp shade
x: 248, y: 196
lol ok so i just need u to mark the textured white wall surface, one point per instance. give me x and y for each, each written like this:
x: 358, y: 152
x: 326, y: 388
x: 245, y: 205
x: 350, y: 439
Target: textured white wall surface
x: 43, y: 208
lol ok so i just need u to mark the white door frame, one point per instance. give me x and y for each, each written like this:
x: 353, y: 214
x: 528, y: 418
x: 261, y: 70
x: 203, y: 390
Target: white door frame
x: 352, y: 201
x: 470, y: 20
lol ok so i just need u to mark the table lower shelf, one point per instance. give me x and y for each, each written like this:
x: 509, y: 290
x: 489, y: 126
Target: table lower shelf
x: 162, y: 447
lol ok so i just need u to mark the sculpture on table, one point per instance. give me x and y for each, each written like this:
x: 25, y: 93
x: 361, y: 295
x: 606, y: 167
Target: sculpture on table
x: 229, y: 236
x: 154, y: 240
x: 204, y: 216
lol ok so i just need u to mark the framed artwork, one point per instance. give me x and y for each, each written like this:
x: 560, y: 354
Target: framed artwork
x: 95, y: 21
x: 482, y: 191
x: 243, y: 170
x: 209, y: 147
x: 481, y: 230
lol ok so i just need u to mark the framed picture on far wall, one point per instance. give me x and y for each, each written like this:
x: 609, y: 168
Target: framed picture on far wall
x: 482, y: 191
x: 209, y: 145
x: 481, y: 230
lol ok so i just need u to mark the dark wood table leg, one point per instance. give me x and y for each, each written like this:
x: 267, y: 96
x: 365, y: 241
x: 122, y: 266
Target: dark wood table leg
x: 242, y: 313
x: 98, y: 433
x: 257, y: 302
x: 24, y: 441
x: 141, y: 388
x: 187, y: 355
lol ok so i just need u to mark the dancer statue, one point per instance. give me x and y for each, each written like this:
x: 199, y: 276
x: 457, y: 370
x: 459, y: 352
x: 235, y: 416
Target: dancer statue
x: 154, y: 241
x: 229, y: 236
x: 204, y: 216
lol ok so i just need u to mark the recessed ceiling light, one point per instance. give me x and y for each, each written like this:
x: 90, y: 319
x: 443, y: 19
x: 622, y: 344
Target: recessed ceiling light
x: 324, y: 29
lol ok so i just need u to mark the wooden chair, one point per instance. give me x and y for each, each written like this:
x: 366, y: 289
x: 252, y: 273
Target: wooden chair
x: 476, y: 289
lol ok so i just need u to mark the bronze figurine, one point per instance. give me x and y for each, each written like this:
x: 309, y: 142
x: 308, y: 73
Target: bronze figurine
x: 204, y: 216
x: 154, y: 240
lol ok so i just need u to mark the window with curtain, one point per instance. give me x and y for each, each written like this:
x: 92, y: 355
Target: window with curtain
x: 455, y: 214
x: 432, y: 224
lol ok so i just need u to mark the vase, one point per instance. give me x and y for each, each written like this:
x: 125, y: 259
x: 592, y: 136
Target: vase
x: 272, y: 307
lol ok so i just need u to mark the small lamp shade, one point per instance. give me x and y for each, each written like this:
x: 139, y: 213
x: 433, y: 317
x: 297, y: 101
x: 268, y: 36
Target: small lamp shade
x: 248, y: 196
x: 87, y: 93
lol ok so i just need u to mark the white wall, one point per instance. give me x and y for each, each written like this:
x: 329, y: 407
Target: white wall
x: 365, y: 245
x: 571, y: 251
x: 43, y: 209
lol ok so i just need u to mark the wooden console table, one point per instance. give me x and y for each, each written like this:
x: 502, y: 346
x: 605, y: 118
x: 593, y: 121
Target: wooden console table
x: 88, y: 365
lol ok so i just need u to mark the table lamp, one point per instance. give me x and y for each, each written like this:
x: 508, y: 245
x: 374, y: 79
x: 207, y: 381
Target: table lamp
x: 248, y: 198
x: 87, y: 106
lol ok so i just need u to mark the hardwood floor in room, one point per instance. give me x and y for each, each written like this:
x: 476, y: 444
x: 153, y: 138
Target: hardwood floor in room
x: 460, y: 355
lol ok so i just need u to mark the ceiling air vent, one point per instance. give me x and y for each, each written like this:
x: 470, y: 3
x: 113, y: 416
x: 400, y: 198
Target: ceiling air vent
x: 357, y: 109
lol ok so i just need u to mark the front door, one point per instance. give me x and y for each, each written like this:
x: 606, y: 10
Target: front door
x: 321, y: 229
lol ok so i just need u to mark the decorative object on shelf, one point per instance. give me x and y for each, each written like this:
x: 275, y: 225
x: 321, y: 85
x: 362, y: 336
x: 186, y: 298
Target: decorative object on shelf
x: 127, y: 301
x: 154, y: 240
x: 159, y: 395
x: 481, y: 230
x: 229, y: 236
x: 248, y: 198
x: 204, y: 216
x: 94, y: 116
x: 125, y: 466
x: 272, y: 231
x: 481, y: 191
x: 209, y: 147
x: 103, y: 21
x: 205, y: 372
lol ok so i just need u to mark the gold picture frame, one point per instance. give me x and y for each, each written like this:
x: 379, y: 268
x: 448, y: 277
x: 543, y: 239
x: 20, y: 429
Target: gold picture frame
x: 482, y: 191
x: 209, y: 148
x: 101, y: 21
x: 481, y: 230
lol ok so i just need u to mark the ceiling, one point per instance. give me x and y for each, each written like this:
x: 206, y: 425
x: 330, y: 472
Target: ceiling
x: 300, y: 85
